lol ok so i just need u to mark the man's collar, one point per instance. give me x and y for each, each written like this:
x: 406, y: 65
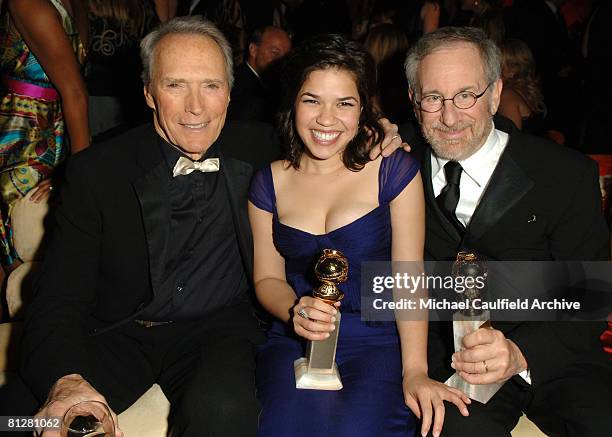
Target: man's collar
x: 252, y: 69
x: 476, y: 166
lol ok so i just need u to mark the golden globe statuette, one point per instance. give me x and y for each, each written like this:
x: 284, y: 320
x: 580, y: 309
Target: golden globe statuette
x: 470, y: 319
x: 318, y: 369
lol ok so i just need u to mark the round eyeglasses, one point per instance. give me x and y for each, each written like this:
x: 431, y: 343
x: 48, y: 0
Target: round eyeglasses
x: 462, y: 100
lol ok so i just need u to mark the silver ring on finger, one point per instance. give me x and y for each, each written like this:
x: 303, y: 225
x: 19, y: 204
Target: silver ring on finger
x: 395, y: 136
x: 50, y: 187
x: 302, y: 313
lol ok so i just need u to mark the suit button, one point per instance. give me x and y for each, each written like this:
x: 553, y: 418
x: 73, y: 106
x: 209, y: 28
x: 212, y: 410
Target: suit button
x: 179, y: 289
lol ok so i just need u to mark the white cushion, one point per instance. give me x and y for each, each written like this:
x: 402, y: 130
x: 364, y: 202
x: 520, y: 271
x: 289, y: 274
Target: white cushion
x: 148, y: 416
x: 526, y: 428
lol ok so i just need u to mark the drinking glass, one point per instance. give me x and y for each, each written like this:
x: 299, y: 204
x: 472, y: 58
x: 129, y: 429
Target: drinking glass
x: 88, y: 419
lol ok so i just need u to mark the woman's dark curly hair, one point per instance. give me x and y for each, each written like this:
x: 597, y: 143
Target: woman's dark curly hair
x: 330, y: 52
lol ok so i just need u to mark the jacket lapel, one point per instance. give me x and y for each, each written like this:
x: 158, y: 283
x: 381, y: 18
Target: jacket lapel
x: 152, y: 190
x: 507, y: 186
x: 237, y: 176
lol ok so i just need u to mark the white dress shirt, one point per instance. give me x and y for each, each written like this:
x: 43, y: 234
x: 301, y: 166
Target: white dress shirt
x: 477, y: 171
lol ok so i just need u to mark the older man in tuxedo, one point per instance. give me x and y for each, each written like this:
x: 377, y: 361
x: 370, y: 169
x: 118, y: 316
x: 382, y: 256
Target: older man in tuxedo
x: 147, y: 277
x: 509, y: 196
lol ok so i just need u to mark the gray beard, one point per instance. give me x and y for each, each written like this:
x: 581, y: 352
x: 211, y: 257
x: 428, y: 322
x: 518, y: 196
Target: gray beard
x: 452, y: 150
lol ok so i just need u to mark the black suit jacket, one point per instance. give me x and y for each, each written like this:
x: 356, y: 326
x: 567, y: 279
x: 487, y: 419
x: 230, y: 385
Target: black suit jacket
x: 105, y: 260
x: 249, y: 99
x: 533, y: 177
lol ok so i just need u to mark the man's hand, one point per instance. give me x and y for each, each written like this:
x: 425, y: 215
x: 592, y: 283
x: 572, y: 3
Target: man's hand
x: 488, y: 357
x: 390, y: 143
x: 67, y: 391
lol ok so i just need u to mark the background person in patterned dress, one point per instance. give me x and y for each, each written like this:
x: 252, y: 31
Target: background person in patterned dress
x: 43, y: 95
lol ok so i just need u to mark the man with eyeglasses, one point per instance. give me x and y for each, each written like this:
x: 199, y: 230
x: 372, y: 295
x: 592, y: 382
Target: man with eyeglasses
x: 506, y: 195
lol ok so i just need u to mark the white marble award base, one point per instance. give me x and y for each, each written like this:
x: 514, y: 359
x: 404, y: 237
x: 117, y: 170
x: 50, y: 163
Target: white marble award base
x: 463, y: 325
x: 318, y: 369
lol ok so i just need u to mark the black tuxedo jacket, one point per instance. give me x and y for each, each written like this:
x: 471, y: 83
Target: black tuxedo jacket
x: 534, y: 177
x: 106, y: 255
